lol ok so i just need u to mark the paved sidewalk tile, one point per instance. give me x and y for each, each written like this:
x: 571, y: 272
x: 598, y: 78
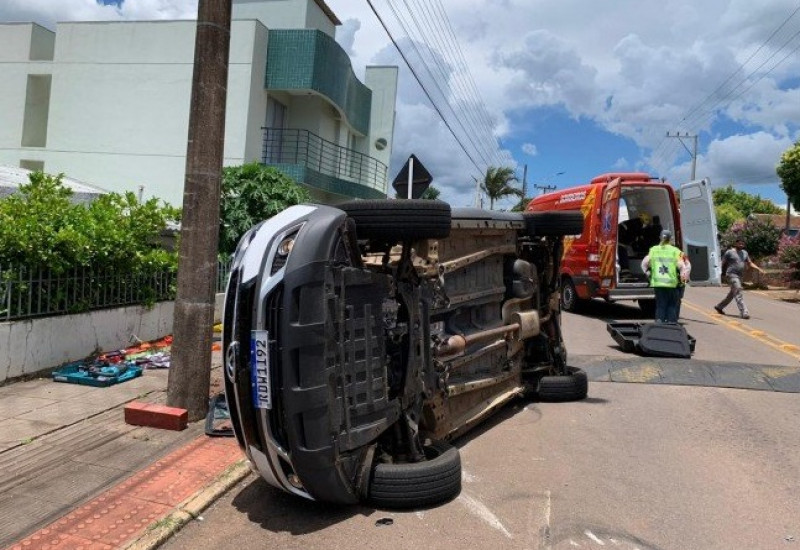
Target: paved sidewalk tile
x: 126, y: 510
x: 14, y: 431
x: 14, y: 405
x: 67, y: 412
x: 54, y: 390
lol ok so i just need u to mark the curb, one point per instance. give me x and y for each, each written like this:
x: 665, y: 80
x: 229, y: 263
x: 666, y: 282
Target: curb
x: 158, y: 532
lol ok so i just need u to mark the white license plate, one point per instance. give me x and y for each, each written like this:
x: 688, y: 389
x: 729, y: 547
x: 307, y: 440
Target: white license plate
x: 259, y: 369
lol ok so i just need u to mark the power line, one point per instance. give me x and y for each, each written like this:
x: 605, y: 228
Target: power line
x: 696, y: 118
x: 424, y: 89
x: 445, y: 70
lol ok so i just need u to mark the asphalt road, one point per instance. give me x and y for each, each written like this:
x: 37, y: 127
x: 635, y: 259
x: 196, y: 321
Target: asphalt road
x: 770, y: 337
x: 634, y: 466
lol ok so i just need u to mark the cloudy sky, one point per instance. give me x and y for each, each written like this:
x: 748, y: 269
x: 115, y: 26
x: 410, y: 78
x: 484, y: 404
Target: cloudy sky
x: 570, y: 88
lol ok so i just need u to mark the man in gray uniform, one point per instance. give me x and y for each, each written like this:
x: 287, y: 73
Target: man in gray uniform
x: 733, y: 262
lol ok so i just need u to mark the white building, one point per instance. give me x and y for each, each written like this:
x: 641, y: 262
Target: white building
x: 108, y: 102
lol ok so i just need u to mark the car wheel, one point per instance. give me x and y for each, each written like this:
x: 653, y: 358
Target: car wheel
x: 418, y: 484
x: 569, y: 296
x: 565, y: 387
x: 398, y: 220
x: 648, y: 307
x: 553, y: 224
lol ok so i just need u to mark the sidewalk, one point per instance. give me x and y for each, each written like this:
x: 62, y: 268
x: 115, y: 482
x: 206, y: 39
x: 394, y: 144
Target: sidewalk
x: 75, y: 475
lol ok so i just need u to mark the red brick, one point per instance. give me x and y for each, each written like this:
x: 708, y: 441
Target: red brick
x: 156, y: 416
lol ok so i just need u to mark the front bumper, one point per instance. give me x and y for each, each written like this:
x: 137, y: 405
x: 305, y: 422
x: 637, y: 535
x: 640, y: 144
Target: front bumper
x: 329, y: 396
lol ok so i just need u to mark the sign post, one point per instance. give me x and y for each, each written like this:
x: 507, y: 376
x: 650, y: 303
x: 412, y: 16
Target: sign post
x: 412, y: 180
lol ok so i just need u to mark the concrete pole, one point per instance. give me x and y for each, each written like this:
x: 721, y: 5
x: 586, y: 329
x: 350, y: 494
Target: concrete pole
x: 190, y: 370
x: 694, y: 158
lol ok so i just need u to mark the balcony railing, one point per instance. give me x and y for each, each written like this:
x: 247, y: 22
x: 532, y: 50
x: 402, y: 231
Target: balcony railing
x: 295, y: 146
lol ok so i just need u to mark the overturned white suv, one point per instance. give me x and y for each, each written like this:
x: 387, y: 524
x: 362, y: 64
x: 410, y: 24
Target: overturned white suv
x: 360, y: 338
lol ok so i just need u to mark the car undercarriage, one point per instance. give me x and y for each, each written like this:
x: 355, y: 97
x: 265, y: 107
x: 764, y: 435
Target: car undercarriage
x: 360, y: 339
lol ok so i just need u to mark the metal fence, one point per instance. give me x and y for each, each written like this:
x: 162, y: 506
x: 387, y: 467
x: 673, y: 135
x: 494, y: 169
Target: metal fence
x: 223, y: 272
x: 296, y: 146
x: 26, y: 293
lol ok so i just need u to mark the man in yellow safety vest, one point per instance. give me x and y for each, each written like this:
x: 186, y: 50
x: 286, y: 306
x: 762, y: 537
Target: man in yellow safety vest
x: 667, y: 268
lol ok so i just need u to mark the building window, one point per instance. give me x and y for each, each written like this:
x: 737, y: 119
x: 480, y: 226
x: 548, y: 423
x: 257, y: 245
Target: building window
x: 37, y: 107
x: 32, y: 165
x: 276, y: 120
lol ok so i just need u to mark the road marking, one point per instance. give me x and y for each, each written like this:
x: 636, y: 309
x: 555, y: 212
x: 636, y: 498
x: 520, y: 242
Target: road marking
x: 759, y: 335
x: 479, y: 509
x: 547, y: 508
x: 594, y: 537
x: 467, y: 477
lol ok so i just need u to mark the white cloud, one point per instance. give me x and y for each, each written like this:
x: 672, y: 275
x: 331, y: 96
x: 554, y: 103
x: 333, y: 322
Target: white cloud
x: 346, y: 35
x: 621, y: 164
x: 529, y: 149
x: 49, y: 12
x: 739, y: 159
x: 634, y: 69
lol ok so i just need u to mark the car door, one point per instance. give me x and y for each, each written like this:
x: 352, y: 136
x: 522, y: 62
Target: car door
x: 699, y: 229
x: 609, y: 216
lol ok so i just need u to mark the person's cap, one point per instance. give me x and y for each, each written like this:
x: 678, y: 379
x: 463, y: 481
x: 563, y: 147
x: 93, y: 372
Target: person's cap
x: 666, y: 235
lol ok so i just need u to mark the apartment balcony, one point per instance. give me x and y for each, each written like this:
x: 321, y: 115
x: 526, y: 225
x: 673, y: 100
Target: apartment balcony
x: 309, y: 60
x: 324, y: 165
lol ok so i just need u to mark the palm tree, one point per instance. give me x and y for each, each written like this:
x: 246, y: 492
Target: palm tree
x: 496, y: 184
x: 431, y: 193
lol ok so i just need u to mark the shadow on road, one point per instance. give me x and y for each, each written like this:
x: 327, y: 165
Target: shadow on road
x: 613, y: 311
x: 281, y: 512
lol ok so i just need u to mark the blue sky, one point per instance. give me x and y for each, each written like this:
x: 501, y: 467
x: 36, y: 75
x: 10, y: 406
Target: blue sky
x: 584, y: 88
x: 572, y: 86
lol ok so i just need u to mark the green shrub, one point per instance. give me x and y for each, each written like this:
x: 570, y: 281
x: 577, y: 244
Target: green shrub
x: 760, y: 238
x: 41, y: 229
x: 727, y: 214
x: 252, y: 193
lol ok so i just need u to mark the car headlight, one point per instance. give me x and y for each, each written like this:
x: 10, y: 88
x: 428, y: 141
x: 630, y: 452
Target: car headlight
x: 282, y: 252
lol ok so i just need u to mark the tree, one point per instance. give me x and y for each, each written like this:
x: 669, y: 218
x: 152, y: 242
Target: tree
x: 252, y: 193
x: 522, y: 204
x: 497, y: 184
x: 744, y: 202
x: 789, y: 172
x: 431, y: 194
x: 727, y: 214
x: 760, y: 238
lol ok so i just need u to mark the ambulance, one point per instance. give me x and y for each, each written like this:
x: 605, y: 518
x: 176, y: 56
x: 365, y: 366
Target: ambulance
x: 624, y: 214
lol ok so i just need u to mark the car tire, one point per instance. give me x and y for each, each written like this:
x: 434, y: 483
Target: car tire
x: 648, y: 307
x: 565, y: 387
x: 553, y: 224
x: 418, y: 484
x: 569, y: 296
x: 399, y: 220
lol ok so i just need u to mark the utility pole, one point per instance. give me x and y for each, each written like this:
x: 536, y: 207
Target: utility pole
x: 524, y: 181
x: 693, y: 152
x: 190, y: 371
x: 544, y: 188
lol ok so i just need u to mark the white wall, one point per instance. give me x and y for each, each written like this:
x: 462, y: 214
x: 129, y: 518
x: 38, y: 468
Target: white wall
x: 16, y: 41
x: 120, y: 98
x: 383, y: 83
x: 27, y: 347
x: 285, y: 14
x: 20, y: 42
x: 307, y: 112
x: 30, y: 346
x: 317, y: 19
